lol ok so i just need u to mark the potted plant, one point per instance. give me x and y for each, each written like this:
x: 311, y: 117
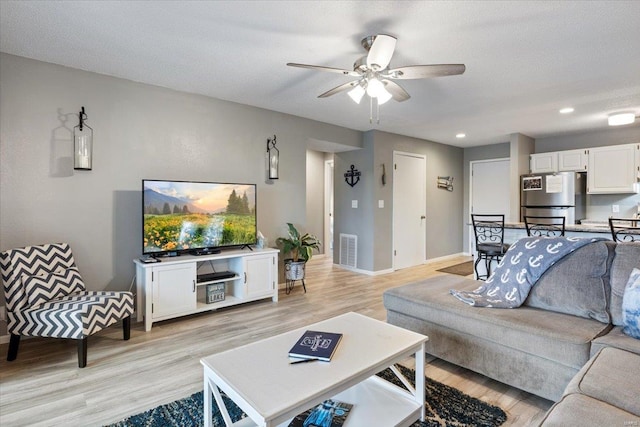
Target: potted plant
x: 300, y: 247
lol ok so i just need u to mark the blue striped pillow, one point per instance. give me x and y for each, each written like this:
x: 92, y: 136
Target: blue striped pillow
x: 631, y: 305
x: 43, y: 288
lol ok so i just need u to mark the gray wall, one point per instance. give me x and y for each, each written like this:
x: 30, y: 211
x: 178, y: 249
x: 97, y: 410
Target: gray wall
x: 374, y: 225
x: 140, y: 131
x: 610, y: 136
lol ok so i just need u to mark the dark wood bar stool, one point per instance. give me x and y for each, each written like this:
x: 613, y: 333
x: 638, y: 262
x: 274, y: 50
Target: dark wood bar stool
x: 490, y: 246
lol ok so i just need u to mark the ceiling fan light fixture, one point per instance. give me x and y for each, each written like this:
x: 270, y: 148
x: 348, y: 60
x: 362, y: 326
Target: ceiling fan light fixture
x: 621, y: 119
x: 357, y: 93
x: 375, y: 87
x: 383, y: 96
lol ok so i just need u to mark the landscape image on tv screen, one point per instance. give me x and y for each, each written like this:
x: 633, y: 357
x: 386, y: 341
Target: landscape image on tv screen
x: 183, y: 216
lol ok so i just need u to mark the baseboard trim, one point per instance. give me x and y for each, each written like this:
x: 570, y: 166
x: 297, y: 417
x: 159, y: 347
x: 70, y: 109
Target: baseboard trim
x: 446, y: 257
x: 367, y: 272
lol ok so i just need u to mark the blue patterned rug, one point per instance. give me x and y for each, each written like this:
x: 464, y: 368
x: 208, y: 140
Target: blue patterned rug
x: 446, y: 407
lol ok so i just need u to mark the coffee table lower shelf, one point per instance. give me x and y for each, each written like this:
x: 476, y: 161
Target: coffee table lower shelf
x: 376, y: 402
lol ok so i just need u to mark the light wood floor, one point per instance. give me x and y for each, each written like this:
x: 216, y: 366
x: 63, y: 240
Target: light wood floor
x: 44, y: 386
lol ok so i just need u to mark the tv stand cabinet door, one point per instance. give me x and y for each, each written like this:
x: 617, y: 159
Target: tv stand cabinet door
x: 260, y: 276
x: 174, y: 290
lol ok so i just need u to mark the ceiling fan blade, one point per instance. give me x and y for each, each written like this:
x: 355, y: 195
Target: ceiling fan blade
x: 320, y: 68
x: 338, y: 89
x: 396, y: 91
x: 425, y: 71
x: 381, y: 51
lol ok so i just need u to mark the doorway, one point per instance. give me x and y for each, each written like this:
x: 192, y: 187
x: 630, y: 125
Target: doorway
x: 409, y: 207
x: 328, y: 207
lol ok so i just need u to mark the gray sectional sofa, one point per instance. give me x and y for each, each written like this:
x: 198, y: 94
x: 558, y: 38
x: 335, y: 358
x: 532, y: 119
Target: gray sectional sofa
x: 569, y: 326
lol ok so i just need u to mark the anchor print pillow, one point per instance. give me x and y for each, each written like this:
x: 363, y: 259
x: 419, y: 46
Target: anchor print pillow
x: 520, y: 268
x: 631, y: 305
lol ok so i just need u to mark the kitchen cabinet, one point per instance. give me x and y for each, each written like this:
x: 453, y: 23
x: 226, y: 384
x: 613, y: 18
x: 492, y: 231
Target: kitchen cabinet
x: 178, y: 286
x: 543, y: 162
x: 573, y: 161
x: 559, y: 161
x: 613, y: 169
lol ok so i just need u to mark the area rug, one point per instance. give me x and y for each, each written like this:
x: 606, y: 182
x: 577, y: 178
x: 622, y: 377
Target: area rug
x: 462, y: 269
x: 446, y: 407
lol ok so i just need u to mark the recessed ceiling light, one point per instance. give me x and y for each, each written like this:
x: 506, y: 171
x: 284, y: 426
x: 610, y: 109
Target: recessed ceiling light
x: 566, y: 110
x: 621, y: 119
x: 461, y: 135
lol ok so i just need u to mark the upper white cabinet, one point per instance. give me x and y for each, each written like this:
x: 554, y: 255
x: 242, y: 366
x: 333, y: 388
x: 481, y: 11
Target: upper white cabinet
x: 543, y: 162
x: 572, y: 160
x: 613, y: 169
x: 559, y: 161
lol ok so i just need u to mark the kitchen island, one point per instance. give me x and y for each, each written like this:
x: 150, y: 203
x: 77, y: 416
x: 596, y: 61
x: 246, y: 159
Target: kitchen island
x: 514, y: 231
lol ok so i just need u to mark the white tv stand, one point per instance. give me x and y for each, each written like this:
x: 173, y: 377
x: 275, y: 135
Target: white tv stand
x: 170, y: 288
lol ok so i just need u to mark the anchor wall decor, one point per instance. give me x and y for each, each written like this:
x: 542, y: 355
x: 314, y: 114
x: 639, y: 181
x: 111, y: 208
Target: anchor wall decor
x: 352, y: 176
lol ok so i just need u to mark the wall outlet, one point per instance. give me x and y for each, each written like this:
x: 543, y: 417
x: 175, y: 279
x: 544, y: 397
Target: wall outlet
x: 615, y: 208
x: 3, y: 314
x: 354, y: 204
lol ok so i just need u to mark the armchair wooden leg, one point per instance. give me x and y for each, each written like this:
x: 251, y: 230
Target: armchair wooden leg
x: 126, y: 327
x: 82, y: 352
x: 14, y: 342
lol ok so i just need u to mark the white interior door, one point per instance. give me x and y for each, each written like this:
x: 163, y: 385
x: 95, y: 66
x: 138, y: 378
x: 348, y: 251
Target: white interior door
x: 409, y: 206
x: 328, y: 207
x: 489, y: 191
x: 490, y: 188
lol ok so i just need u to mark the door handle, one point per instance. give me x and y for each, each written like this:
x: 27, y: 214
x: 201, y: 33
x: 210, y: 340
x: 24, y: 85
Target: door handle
x: 423, y: 217
x: 194, y: 286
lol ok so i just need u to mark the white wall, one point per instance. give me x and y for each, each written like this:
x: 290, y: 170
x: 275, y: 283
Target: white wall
x: 141, y: 131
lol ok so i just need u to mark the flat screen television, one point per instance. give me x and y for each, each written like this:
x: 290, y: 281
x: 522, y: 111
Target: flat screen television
x: 196, y: 217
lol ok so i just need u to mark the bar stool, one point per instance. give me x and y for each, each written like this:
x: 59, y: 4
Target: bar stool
x: 490, y: 246
x: 545, y: 226
x: 625, y: 229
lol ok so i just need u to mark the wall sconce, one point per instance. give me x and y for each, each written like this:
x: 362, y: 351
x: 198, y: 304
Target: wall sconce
x: 273, y: 155
x: 82, y: 143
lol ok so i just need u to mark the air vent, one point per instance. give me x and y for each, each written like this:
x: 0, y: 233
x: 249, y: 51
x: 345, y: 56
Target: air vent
x: 348, y: 250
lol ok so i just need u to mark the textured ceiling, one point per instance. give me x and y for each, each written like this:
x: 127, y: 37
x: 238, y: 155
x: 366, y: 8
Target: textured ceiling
x: 525, y: 59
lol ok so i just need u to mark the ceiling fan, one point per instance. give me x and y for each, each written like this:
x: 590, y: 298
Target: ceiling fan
x: 374, y: 76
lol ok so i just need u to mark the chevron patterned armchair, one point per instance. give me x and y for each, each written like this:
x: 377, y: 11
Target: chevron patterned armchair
x: 46, y: 297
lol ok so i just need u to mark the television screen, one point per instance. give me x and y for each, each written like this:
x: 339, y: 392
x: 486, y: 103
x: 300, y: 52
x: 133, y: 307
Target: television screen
x: 180, y: 216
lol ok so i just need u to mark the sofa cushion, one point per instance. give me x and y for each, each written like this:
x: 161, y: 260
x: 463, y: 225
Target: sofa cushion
x: 556, y: 336
x: 585, y: 411
x: 617, y: 339
x: 627, y: 257
x: 631, y: 305
x: 578, y: 284
x: 611, y: 376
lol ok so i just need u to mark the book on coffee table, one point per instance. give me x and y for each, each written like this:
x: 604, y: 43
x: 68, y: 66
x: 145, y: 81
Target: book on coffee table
x: 330, y: 413
x: 316, y: 345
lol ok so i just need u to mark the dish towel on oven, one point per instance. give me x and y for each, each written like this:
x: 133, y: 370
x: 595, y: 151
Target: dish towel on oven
x: 510, y: 283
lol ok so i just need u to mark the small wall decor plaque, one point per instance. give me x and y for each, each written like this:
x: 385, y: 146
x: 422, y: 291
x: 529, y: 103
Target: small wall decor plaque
x: 445, y: 182
x: 352, y: 176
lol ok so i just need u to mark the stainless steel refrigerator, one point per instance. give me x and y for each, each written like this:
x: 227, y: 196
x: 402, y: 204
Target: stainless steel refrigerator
x: 554, y: 194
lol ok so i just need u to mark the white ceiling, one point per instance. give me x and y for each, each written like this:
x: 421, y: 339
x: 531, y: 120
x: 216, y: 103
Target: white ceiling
x: 525, y: 59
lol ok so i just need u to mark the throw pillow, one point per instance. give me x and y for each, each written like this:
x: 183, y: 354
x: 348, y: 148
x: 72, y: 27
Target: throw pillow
x: 40, y: 289
x: 631, y: 305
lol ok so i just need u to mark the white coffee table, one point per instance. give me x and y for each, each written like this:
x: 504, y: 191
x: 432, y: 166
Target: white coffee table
x: 260, y: 380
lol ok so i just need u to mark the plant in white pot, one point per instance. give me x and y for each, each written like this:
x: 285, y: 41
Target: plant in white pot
x: 300, y: 248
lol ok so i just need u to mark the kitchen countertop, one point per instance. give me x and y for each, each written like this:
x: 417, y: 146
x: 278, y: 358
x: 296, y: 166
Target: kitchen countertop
x: 580, y: 228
